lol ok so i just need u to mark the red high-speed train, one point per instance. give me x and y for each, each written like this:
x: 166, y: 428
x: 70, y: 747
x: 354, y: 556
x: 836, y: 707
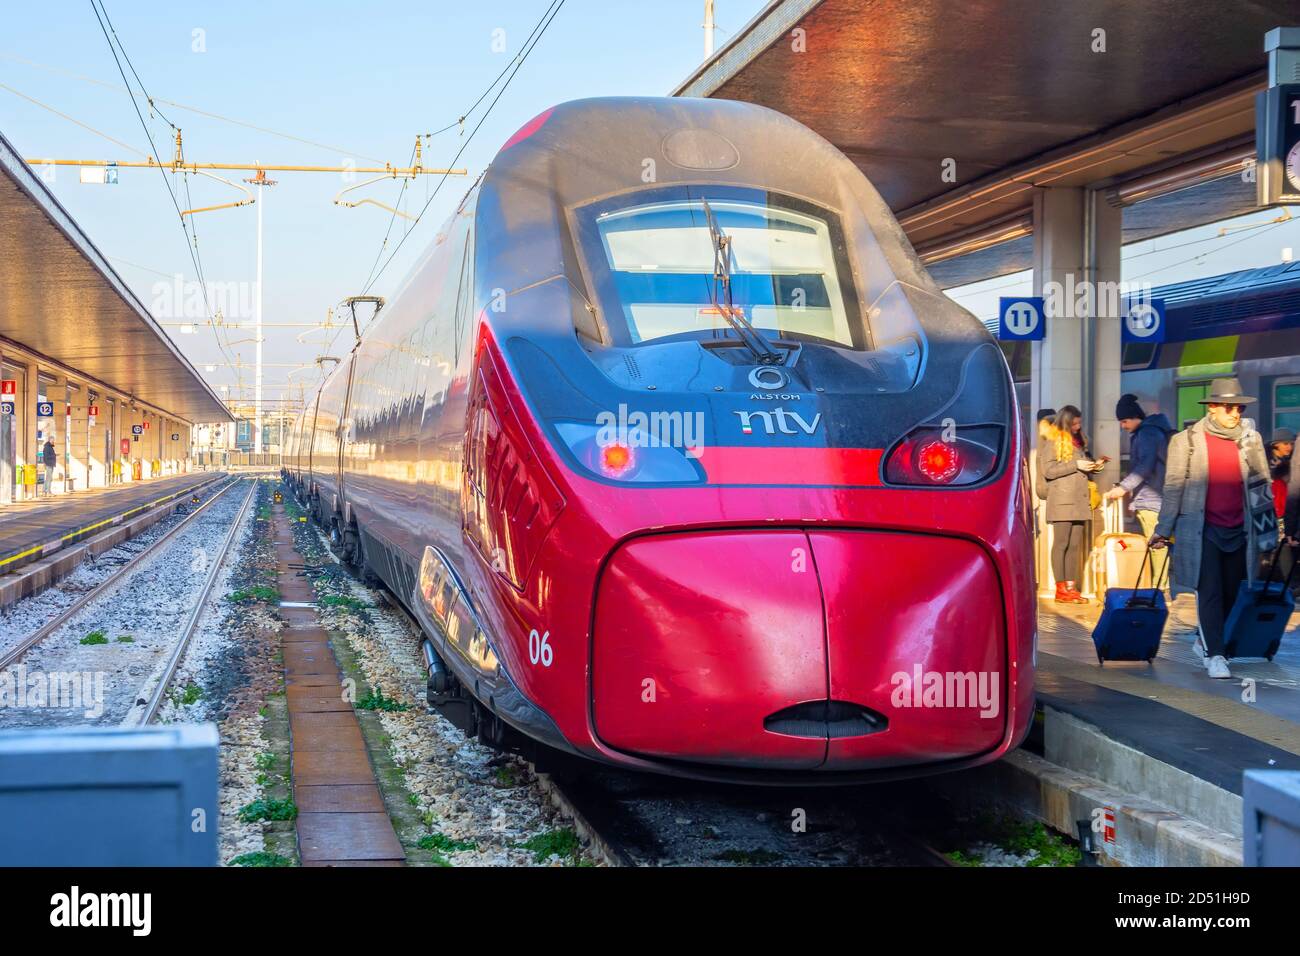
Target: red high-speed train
x: 684, y: 464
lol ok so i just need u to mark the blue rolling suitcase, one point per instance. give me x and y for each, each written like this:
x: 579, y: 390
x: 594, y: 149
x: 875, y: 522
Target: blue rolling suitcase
x: 1259, y: 615
x: 1132, y: 620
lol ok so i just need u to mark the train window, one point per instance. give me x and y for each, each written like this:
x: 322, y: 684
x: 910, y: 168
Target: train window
x: 788, y: 269
x: 1286, y: 404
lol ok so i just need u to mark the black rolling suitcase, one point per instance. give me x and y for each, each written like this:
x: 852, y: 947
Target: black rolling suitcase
x: 1132, y: 619
x: 1259, y: 615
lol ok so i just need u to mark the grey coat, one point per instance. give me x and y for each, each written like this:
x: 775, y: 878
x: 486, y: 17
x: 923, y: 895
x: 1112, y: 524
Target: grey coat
x: 1182, y: 512
x: 1067, y: 486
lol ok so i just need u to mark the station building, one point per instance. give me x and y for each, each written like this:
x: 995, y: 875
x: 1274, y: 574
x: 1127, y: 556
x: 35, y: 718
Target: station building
x: 85, y: 365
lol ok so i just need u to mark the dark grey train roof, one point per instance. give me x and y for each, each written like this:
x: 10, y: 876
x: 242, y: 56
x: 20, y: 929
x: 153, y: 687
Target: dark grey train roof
x: 589, y: 149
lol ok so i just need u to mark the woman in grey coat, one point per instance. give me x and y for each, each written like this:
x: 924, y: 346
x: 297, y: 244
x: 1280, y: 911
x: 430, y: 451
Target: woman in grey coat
x: 1217, y: 511
x: 1065, y: 464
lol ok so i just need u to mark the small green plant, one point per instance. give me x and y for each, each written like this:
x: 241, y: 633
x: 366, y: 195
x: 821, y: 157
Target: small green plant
x: 413, y: 799
x: 266, y: 761
x: 95, y: 637
x: 562, y: 843
x: 749, y: 857
x: 261, y: 858
x: 375, y: 700
x: 428, y: 818
x: 343, y: 600
x: 961, y: 858
x: 258, y: 592
x: 444, y: 844
x: 268, y: 810
x: 262, y: 711
x: 1047, y: 848
x: 191, y: 693
x: 506, y: 777
x: 125, y: 639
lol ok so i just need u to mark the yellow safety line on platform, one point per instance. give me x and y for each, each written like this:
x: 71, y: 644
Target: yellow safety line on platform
x: 1277, y: 731
x: 98, y: 524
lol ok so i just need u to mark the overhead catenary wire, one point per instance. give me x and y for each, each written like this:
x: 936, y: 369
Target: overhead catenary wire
x: 197, y: 110
x: 511, y: 68
x: 520, y: 58
x: 98, y: 8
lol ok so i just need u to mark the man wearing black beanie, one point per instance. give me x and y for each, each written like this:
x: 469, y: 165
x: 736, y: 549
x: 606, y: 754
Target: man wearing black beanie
x: 1148, y: 448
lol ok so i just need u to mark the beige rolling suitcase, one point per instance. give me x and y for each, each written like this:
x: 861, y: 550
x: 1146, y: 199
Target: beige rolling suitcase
x: 1117, y: 556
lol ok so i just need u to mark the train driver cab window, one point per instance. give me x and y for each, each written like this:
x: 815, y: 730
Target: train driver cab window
x: 788, y: 272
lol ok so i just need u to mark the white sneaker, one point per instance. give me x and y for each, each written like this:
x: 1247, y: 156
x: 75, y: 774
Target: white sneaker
x: 1218, y: 668
x: 1198, y: 647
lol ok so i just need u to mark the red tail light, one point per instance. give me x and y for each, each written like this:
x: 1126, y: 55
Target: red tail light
x: 935, y: 456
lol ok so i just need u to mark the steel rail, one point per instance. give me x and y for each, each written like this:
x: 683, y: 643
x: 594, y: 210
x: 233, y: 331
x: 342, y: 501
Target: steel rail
x: 105, y: 587
x: 191, y: 624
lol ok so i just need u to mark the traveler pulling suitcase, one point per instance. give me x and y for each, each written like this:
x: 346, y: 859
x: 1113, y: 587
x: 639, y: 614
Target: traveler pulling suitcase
x: 1259, y: 615
x: 1132, y: 620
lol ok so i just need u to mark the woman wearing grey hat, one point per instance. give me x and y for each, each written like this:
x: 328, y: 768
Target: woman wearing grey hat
x: 1218, y: 512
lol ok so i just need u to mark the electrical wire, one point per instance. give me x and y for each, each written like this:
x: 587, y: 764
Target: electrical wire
x: 520, y: 58
x: 72, y: 119
x: 191, y: 244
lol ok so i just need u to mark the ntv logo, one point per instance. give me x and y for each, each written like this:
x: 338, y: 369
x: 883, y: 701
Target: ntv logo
x: 777, y: 421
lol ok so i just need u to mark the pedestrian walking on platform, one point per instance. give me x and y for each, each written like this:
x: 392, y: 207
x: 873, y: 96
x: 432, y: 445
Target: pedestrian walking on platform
x: 1217, y: 512
x: 1147, y: 451
x: 49, y: 458
x: 1065, y: 464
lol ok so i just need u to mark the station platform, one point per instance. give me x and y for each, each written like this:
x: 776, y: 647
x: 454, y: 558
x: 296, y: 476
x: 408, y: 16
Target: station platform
x: 34, y: 529
x: 1157, y: 750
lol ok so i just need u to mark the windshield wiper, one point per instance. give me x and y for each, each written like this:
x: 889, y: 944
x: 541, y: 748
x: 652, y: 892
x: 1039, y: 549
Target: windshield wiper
x: 752, y: 339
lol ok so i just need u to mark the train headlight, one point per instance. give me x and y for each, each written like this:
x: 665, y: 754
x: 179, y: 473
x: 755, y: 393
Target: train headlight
x: 631, y: 456
x: 963, y: 455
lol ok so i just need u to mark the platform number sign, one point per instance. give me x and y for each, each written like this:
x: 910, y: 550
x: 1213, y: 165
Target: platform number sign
x: 1277, y: 144
x: 137, y: 430
x: 6, y: 407
x: 44, y: 409
x: 1021, y: 318
x: 1144, y: 321
x: 176, y: 436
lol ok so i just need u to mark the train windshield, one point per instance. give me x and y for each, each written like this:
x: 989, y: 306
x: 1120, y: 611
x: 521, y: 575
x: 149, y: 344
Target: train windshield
x: 788, y: 272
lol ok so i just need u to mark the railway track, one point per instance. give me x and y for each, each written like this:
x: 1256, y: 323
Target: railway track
x: 105, y: 587
x: 155, y: 700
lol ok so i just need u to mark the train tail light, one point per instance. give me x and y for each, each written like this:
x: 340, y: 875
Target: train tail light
x: 963, y: 455
x: 632, y: 456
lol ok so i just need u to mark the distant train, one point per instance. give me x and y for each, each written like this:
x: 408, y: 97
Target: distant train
x: 684, y: 464
x: 1244, y: 324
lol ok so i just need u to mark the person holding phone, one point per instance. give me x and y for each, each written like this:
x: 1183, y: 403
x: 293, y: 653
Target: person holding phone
x: 1065, y: 464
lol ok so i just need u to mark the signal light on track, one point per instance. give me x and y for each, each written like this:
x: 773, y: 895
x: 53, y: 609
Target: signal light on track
x: 938, y: 461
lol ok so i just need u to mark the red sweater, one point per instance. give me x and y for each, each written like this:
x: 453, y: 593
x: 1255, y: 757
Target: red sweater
x: 1224, y: 499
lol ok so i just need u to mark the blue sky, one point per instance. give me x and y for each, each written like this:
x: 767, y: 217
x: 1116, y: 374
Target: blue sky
x: 363, y: 79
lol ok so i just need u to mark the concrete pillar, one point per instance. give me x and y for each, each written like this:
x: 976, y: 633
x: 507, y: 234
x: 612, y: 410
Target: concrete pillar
x: 77, y: 467
x: 8, y: 441
x: 1077, y: 243
x: 29, y: 448
x: 96, y: 465
x: 115, y: 446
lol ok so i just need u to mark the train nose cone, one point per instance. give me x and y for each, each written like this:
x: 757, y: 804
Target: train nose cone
x: 915, y: 630
x: 832, y: 650
x: 699, y: 638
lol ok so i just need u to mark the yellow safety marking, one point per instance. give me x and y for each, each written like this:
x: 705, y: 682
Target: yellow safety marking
x: 1250, y: 721
x: 98, y: 524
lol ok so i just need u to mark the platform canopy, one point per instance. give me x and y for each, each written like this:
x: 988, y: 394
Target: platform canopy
x: 61, y: 299
x: 1018, y: 93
